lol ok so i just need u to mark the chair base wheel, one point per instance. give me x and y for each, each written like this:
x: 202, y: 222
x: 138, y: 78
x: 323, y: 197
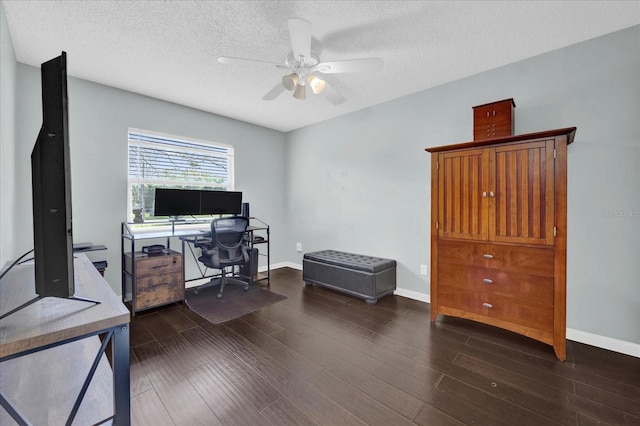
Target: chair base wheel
x: 219, y: 295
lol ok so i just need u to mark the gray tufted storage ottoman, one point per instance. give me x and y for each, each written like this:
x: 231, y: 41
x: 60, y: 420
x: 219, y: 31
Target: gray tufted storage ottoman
x: 362, y: 276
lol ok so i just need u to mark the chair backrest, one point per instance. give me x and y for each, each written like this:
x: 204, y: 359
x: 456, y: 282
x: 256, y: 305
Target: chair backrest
x: 228, y: 232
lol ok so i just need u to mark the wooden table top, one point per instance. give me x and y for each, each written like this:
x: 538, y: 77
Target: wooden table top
x: 52, y: 320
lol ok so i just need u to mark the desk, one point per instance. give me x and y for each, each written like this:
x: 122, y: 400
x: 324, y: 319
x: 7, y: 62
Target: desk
x: 87, y: 248
x: 49, y: 349
x: 187, y: 231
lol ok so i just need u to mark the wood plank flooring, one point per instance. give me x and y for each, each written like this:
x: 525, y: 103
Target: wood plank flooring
x: 323, y: 358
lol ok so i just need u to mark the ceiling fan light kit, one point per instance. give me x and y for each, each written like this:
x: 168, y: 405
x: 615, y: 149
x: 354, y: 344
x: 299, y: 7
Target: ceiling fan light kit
x: 289, y: 81
x: 300, y: 92
x: 316, y: 83
x: 305, y: 66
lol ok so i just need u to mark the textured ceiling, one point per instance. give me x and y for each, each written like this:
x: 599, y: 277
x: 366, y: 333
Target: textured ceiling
x: 168, y: 49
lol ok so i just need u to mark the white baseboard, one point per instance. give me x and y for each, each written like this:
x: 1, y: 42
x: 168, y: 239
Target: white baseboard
x: 285, y: 265
x: 410, y: 294
x: 604, y: 342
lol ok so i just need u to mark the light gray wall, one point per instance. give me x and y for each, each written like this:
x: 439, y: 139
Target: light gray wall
x: 99, y: 117
x: 361, y: 182
x: 7, y: 143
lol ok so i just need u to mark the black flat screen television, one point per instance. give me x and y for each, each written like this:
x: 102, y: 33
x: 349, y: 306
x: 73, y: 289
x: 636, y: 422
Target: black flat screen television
x: 51, y: 187
x: 193, y: 202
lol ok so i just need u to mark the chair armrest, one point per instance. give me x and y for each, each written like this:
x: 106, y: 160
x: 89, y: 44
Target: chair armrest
x: 209, y: 251
x: 203, y: 243
x: 245, y: 254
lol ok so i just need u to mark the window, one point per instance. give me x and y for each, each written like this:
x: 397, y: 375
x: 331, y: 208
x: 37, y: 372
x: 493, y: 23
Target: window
x: 164, y: 161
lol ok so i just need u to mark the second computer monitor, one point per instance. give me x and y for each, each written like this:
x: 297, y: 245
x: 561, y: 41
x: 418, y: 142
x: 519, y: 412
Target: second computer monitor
x: 220, y: 202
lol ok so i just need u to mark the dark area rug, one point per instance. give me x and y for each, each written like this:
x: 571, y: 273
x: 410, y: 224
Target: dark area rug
x: 235, y: 302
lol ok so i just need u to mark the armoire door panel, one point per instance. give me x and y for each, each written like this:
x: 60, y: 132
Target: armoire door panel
x: 462, y: 209
x: 523, y: 193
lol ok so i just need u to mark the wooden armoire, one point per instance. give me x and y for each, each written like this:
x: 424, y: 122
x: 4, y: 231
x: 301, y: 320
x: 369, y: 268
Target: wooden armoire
x: 499, y: 233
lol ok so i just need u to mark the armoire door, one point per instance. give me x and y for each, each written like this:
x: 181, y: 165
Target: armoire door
x: 521, y: 193
x: 462, y: 194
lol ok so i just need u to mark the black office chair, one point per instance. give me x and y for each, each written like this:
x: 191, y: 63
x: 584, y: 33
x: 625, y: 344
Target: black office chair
x: 226, y: 249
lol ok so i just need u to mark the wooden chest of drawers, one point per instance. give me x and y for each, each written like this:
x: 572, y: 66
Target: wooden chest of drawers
x: 507, y: 286
x: 153, y: 280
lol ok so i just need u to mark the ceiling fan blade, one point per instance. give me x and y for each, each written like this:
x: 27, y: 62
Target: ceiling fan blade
x: 353, y: 65
x: 274, y: 93
x: 228, y: 60
x: 333, y: 95
x: 300, y: 32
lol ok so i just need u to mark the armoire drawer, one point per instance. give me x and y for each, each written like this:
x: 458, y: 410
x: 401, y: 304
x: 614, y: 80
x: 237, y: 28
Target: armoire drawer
x: 528, y: 260
x: 518, y: 285
x: 507, y: 309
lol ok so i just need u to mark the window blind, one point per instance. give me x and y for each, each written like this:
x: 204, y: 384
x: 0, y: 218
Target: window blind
x: 162, y: 160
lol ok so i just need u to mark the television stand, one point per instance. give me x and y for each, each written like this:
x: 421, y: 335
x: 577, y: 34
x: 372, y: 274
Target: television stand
x: 35, y: 299
x: 53, y: 341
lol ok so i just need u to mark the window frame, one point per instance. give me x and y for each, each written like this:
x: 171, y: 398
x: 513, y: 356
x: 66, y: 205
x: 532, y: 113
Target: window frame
x: 208, y: 147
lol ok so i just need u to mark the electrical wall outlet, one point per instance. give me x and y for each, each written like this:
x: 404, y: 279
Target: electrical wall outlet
x: 424, y: 270
x: 298, y: 247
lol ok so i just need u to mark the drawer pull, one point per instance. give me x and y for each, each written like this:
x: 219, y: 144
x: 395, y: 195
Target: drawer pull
x: 487, y: 281
x: 487, y: 305
x: 159, y: 266
x: 487, y: 256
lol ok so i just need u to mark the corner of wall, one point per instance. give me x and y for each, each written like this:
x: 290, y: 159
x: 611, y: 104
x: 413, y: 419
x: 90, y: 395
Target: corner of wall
x: 8, y: 67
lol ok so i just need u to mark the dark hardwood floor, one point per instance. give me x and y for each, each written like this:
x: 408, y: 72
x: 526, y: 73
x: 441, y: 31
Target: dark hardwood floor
x: 323, y: 358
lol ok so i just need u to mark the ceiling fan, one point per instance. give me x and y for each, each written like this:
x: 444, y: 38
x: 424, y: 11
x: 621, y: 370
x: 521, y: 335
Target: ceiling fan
x: 306, y: 68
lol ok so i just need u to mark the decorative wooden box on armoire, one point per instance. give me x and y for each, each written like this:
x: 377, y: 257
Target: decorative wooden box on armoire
x: 494, y: 119
x: 499, y: 232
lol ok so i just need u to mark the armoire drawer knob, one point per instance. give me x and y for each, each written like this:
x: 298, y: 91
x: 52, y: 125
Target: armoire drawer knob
x: 487, y: 281
x: 487, y: 305
x: 487, y: 256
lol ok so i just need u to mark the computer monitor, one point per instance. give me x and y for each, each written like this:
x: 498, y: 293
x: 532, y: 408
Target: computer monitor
x: 176, y: 202
x: 220, y: 202
x: 192, y: 202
